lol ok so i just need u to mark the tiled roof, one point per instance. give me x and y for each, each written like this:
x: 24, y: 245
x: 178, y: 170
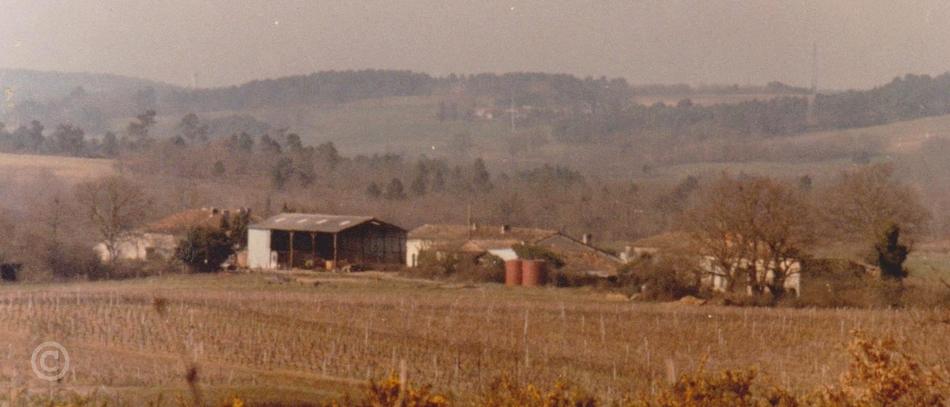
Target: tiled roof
x: 182, y: 222
x: 480, y: 233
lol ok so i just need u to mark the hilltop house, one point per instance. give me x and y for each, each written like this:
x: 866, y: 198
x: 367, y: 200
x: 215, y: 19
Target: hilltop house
x: 300, y: 240
x: 158, y: 240
x: 578, y: 255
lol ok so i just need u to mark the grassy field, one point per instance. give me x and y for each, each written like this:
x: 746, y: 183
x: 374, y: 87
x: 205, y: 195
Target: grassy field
x: 70, y: 169
x: 314, y: 337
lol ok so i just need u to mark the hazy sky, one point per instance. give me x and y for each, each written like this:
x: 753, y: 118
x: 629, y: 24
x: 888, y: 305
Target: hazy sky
x: 861, y: 43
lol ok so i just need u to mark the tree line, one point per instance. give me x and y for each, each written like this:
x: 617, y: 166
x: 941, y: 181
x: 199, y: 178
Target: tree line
x: 588, y: 110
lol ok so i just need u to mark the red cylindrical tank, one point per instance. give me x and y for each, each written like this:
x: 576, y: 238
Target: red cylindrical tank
x: 532, y: 273
x: 512, y: 273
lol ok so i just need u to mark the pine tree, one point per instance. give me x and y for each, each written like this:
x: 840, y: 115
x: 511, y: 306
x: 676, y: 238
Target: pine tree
x: 438, y: 180
x: 373, y: 190
x: 395, y: 190
x: 419, y: 184
x: 891, y: 254
x: 481, y: 179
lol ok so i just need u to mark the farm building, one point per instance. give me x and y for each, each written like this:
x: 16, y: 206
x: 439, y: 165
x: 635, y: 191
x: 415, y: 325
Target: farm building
x: 158, y: 240
x: 713, y: 273
x: 807, y: 276
x: 300, y: 240
x: 578, y: 255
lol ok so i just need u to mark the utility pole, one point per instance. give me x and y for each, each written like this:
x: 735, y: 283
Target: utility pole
x: 811, y: 114
x: 512, y: 109
x: 814, y: 68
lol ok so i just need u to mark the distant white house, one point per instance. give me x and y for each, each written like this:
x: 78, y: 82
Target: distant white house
x: 158, y: 240
x: 139, y: 246
x: 713, y: 274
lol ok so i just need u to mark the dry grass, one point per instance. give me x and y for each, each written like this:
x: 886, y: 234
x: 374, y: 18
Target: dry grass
x: 71, y: 169
x: 262, y: 340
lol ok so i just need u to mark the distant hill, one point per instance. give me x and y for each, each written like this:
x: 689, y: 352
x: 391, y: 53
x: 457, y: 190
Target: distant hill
x: 87, y: 100
x: 512, y: 116
x: 43, y: 86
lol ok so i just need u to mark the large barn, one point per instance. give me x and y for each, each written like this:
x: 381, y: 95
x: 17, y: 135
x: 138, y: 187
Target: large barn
x: 301, y: 240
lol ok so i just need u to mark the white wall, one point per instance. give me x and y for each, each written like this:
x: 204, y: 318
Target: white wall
x: 413, y: 248
x: 718, y: 283
x: 137, y: 247
x: 258, y: 249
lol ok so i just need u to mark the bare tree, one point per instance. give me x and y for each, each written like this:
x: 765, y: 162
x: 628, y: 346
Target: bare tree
x: 784, y: 225
x: 872, y: 207
x: 114, y: 206
x: 750, y: 230
x: 714, y: 228
x: 864, y: 204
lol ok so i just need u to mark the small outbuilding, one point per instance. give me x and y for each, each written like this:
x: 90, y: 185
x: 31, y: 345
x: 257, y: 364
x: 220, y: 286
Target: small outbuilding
x: 303, y: 240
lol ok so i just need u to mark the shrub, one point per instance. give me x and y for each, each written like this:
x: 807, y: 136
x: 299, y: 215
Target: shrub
x: 664, y: 278
x: 566, y: 278
x: 880, y: 374
x: 506, y: 392
x: 393, y: 392
x: 486, y: 269
x: 840, y: 283
x: 531, y: 252
x: 73, y: 261
x: 459, y: 266
x: 204, y: 249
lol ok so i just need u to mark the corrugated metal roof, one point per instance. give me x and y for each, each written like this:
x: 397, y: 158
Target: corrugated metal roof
x: 312, y: 222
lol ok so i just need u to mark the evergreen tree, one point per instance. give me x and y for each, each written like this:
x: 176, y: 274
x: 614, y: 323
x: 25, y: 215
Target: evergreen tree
x: 395, y: 190
x: 419, y: 184
x: 294, y: 143
x: 891, y: 254
x: 192, y: 129
x: 373, y: 190
x: 281, y: 172
x: 204, y: 249
x: 110, y: 144
x: 218, y: 169
x: 438, y: 180
x: 481, y: 179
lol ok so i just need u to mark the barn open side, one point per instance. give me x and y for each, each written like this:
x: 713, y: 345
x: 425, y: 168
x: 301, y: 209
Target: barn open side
x: 299, y: 240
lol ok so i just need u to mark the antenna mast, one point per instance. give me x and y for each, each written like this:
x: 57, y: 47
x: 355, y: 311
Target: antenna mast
x: 814, y: 68
x: 512, y: 109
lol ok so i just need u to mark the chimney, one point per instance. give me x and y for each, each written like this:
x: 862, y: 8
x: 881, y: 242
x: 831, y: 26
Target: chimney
x: 586, y: 238
x: 505, y: 229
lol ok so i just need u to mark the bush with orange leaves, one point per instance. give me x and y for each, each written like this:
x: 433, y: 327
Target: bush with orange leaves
x: 882, y: 375
x: 879, y: 375
x: 506, y: 392
x: 394, y: 392
x: 727, y: 389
